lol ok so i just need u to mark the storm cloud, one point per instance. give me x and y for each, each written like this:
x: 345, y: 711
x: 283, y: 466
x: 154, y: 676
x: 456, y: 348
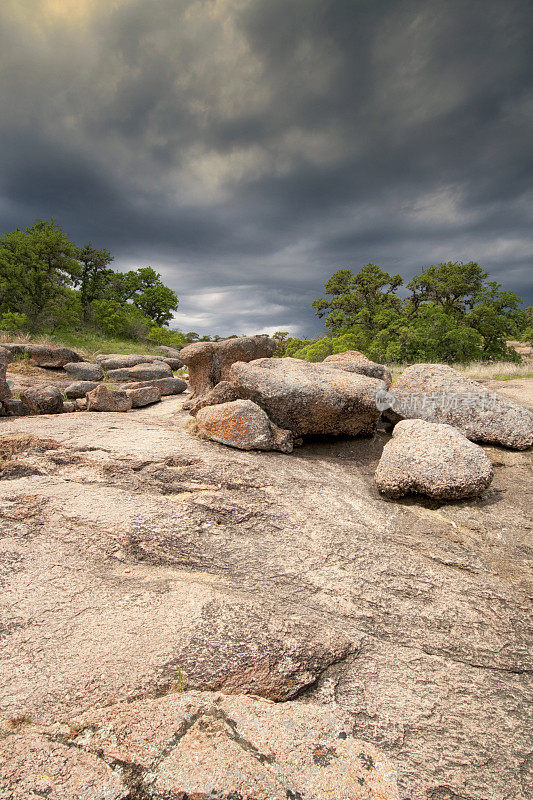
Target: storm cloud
x: 248, y: 148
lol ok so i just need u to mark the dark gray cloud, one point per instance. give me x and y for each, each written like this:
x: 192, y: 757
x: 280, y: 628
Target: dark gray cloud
x: 248, y: 148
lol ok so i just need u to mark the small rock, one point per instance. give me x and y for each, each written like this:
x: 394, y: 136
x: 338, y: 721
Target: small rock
x: 104, y: 399
x: 84, y: 371
x: 173, y: 363
x: 169, y: 352
x: 5, y: 391
x: 47, y: 400
x: 438, y: 393
x: 244, y: 425
x: 208, y: 362
x: 432, y: 459
x: 15, y: 408
x: 79, y: 389
x: 80, y: 404
x: 167, y: 386
x: 68, y: 406
x: 141, y: 372
x: 223, y: 392
x: 144, y: 396
x: 354, y: 361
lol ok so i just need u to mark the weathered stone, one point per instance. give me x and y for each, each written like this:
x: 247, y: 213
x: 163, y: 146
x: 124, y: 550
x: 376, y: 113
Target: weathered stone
x: 68, y: 406
x: 198, y: 745
x: 223, y: 392
x: 84, y: 371
x: 144, y: 396
x: 47, y: 400
x: 79, y: 389
x: 354, y: 361
x: 44, y: 355
x: 5, y: 391
x: 169, y: 352
x: 161, y: 556
x: 432, y: 459
x: 141, y: 372
x: 173, y: 363
x: 209, y: 362
x: 81, y: 404
x: 244, y: 425
x: 123, y: 361
x: 15, y: 408
x: 104, y: 399
x: 309, y: 398
x: 438, y: 393
x: 5, y: 355
x: 167, y: 386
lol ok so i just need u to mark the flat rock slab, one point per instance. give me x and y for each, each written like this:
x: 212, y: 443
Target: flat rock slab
x: 432, y: 459
x: 354, y: 361
x: 438, y: 393
x: 198, y: 745
x: 208, y: 363
x: 135, y: 558
x: 309, y: 398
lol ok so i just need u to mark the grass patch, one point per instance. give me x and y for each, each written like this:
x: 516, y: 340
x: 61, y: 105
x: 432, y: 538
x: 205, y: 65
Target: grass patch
x: 87, y: 343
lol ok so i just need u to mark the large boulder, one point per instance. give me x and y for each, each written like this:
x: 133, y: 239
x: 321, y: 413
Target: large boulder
x: 244, y: 425
x: 209, y: 362
x: 84, y: 371
x: 198, y: 745
x: 166, y: 386
x: 223, y: 392
x: 354, y: 361
x: 104, y: 399
x: 438, y: 393
x: 432, y: 459
x: 144, y: 396
x: 5, y: 355
x: 47, y: 400
x: 141, y: 372
x: 44, y: 355
x: 309, y: 398
x: 79, y: 389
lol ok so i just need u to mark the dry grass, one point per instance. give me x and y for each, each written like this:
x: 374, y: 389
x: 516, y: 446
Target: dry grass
x: 481, y: 370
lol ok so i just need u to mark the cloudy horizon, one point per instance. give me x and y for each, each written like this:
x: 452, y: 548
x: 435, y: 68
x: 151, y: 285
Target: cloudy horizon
x: 247, y: 149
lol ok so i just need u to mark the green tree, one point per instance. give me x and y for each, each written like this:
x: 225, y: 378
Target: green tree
x: 453, y: 313
x: 95, y: 275
x: 144, y: 288
x: 359, y: 300
x: 37, y: 265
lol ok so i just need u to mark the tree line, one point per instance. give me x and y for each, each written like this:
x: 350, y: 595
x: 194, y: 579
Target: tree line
x: 49, y: 284
x: 448, y: 312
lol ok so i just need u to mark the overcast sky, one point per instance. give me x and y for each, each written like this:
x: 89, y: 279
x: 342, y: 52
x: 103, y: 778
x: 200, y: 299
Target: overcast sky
x: 247, y: 149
